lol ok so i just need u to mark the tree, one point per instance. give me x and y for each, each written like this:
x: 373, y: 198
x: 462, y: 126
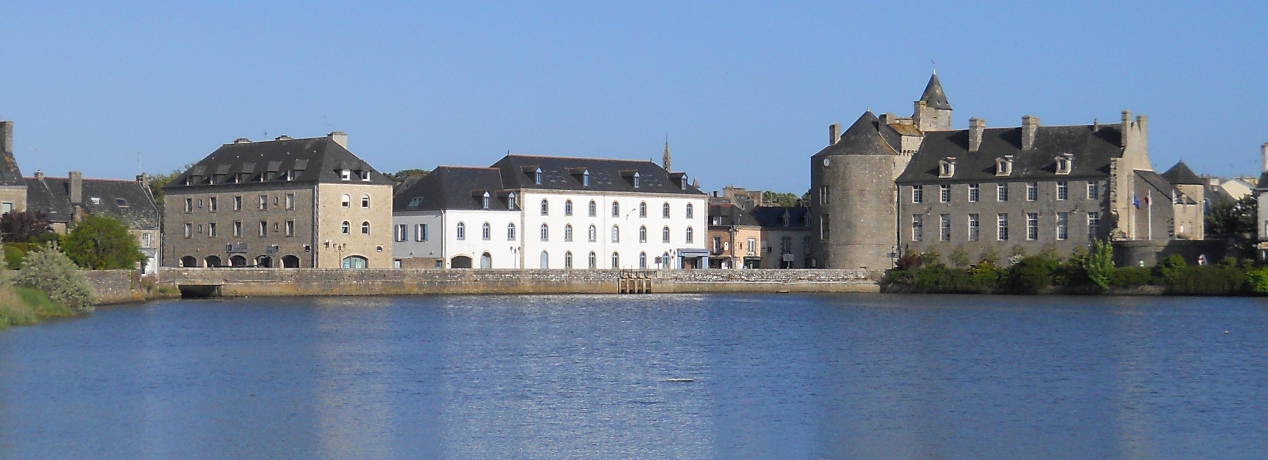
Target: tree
x: 158, y: 181
x: 1234, y: 222
x: 23, y: 226
x: 102, y: 243
x: 50, y: 271
x: 400, y: 177
x: 1099, y: 264
x: 770, y: 198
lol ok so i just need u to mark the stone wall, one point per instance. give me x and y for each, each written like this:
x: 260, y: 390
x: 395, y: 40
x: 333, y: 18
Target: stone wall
x: 303, y: 282
x: 114, y: 286
x: 1134, y: 253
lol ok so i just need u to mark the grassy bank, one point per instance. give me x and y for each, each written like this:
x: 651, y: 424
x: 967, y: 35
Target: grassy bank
x: 23, y: 305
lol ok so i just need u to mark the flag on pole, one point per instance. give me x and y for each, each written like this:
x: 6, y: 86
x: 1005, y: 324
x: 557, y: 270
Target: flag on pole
x: 1135, y: 201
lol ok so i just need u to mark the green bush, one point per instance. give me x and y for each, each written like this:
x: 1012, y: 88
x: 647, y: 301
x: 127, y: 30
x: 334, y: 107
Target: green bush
x: 23, y: 305
x: 938, y: 278
x: 1208, y: 280
x: 1031, y: 274
x: 1170, y: 269
x: 102, y: 243
x: 1130, y: 277
x: 15, y: 252
x: 1257, y: 280
x: 52, y: 272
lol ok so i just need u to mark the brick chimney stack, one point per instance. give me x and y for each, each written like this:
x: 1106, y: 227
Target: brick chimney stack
x: 1029, y: 128
x: 6, y: 137
x: 76, y: 188
x: 976, y: 127
x: 340, y: 138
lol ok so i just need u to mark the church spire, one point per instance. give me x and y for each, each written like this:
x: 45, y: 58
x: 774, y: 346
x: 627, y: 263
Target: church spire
x: 666, y: 160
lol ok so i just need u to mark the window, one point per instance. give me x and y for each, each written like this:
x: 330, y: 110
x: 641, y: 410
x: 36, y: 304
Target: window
x: 1093, y: 192
x: 1004, y: 165
x: 146, y: 240
x: 593, y: 234
x: 1032, y: 226
x: 568, y: 232
x: 946, y: 167
x: 917, y: 227
x: 717, y: 244
x: 664, y: 210
x: 917, y: 194
x: 545, y: 207
x: 365, y: 175
x: 1001, y: 227
x: 642, y: 234
x: 97, y: 200
x: 537, y: 176
x: 237, y: 203
x: 365, y: 201
x: 664, y: 235
x: 616, y: 260
x: 213, y: 204
x: 462, y: 231
x: 975, y: 193
x: 690, y: 235
x: 365, y: 227
x: 642, y: 260
x: 974, y: 227
x: 1063, y: 190
x: 510, y: 202
x: 1093, y: 225
x: 345, y: 200
x: 1064, y: 163
x: 264, y: 228
x: 402, y: 230
x: 944, y: 227
x: 484, y: 201
x: 568, y: 208
x: 616, y: 209
x: 823, y: 227
x: 1001, y: 192
x: 420, y: 232
x: 237, y: 228
x: 616, y: 234
x: 636, y: 180
x: 594, y: 209
x: 545, y: 230
x: 568, y: 260
x: 1175, y: 197
x: 345, y: 174
x: 189, y: 205
x: 355, y: 262
x: 1063, y: 226
x: 585, y: 181
x: 944, y: 193
x: 592, y: 260
x: 825, y: 194
x: 642, y: 209
x: 751, y: 246
x: 785, y: 245
x: 290, y: 228
x: 690, y: 210
x: 345, y: 227
x: 1032, y: 191
x: 189, y: 230
x: 510, y: 232
x: 211, y: 229
x: 290, y: 201
x: 486, y: 232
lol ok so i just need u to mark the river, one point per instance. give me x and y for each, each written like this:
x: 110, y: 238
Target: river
x: 653, y: 376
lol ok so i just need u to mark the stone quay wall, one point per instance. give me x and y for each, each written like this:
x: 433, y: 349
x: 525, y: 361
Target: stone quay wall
x: 235, y: 282
x: 115, y: 286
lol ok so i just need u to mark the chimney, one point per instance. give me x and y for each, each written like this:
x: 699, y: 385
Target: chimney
x: 39, y: 174
x: 144, y: 179
x: 1263, y: 153
x: 282, y: 138
x: 242, y: 140
x: 834, y: 133
x: 340, y: 138
x: 976, y: 126
x: 1029, y: 128
x: 6, y: 137
x: 76, y: 184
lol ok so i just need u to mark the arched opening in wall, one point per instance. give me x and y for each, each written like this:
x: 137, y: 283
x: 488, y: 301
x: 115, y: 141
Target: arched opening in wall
x: 355, y: 262
x: 486, y: 261
x: 237, y: 261
x: 460, y: 262
x: 545, y: 260
x: 189, y: 261
x: 264, y: 262
x: 290, y: 261
x: 213, y: 261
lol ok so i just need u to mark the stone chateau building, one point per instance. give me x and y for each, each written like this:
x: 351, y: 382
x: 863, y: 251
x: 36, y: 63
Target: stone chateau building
x: 294, y: 203
x: 889, y: 185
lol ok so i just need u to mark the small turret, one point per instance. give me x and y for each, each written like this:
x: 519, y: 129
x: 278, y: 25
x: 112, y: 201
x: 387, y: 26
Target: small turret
x: 933, y: 111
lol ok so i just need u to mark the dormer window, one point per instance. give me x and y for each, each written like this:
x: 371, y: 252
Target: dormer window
x: 484, y: 201
x: 345, y: 174
x: 1004, y: 165
x: 1064, y: 163
x: 415, y: 202
x: 786, y: 218
x: 537, y: 176
x: 946, y: 167
x: 682, y: 182
x: 636, y: 180
x: 96, y: 200
x: 188, y: 181
x: 290, y: 176
x: 510, y: 201
x: 365, y: 175
x: 585, y: 178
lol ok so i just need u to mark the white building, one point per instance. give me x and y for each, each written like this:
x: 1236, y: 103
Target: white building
x: 551, y: 212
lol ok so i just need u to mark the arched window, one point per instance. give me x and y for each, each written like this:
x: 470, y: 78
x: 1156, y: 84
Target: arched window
x: 593, y: 234
x: 642, y: 260
x: 585, y: 178
x: 642, y: 234
x: 345, y: 227
x: 510, y: 201
x: 545, y: 207
x: 690, y: 235
x: 545, y: 260
x: 664, y: 261
x: 568, y: 260
x: 189, y: 261
x: 486, y: 261
x: 537, y: 176
x: 636, y: 181
x: 616, y: 260
x: 510, y: 232
x: 365, y: 201
x: 462, y: 231
x: 486, y: 231
x: 594, y: 261
x: 484, y: 201
x: 214, y: 261
x: 345, y: 200
x: 568, y: 232
x: 365, y: 227
x: 642, y: 209
x: 568, y: 208
x: 616, y: 209
x: 664, y: 235
x: 545, y: 232
x: 664, y: 210
x: 355, y: 262
x: 690, y: 208
x: 290, y: 261
x: 594, y: 209
x: 616, y: 234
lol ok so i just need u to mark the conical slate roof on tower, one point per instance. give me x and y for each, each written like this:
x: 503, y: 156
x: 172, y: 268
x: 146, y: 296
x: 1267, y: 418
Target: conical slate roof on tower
x: 934, y: 96
x: 1180, y: 174
x: 867, y: 136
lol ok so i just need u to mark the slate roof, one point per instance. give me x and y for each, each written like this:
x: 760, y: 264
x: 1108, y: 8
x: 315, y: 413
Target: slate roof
x: 934, y: 96
x: 867, y: 136
x: 311, y: 160
x: 726, y: 215
x: 128, y: 201
x: 1156, y: 181
x: 10, y: 174
x: 1092, y: 147
x: 453, y: 187
x: 773, y: 216
x: 1180, y: 174
x: 606, y: 175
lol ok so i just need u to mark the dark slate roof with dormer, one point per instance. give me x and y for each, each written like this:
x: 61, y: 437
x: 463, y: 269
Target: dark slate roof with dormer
x: 773, y: 216
x: 1092, y: 147
x: 129, y: 202
x: 726, y: 215
x: 934, y: 96
x: 453, y: 187
x: 1180, y: 174
x: 311, y: 160
x: 606, y: 175
x: 867, y: 136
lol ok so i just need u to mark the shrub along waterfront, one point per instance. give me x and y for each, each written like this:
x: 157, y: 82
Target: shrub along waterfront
x: 1085, y: 272
x: 48, y: 285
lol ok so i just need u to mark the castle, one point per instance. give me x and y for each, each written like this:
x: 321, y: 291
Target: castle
x: 891, y: 185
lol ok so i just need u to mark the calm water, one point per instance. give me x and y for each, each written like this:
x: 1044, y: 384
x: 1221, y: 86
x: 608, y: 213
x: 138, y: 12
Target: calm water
x: 586, y: 376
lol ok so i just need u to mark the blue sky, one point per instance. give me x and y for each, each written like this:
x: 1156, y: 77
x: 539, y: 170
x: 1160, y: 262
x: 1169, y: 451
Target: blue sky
x: 744, y: 90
